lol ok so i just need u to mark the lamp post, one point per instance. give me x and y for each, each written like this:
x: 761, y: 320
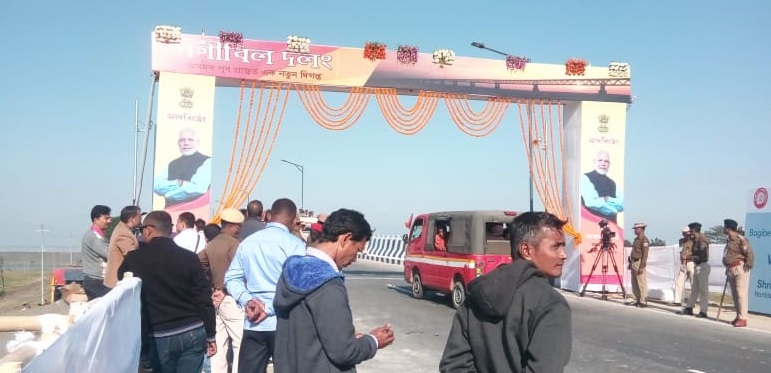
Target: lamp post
x: 42, y: 231
x: 531, y: 142
x: 302, y: 181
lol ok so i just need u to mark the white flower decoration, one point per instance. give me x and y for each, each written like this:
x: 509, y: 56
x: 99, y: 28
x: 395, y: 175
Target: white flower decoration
x: 618, y: 70
x: 444, y: 56
x: 168, y: 34
x: 298, y: 44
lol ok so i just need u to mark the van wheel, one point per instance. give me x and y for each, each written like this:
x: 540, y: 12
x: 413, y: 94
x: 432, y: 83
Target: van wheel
x: 458, y: 295
x: 417, y: 286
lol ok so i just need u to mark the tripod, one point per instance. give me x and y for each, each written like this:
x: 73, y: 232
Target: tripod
x: 606, y: 250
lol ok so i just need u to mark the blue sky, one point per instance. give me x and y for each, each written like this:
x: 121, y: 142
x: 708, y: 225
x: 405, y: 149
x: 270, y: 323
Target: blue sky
x: 697, y: 136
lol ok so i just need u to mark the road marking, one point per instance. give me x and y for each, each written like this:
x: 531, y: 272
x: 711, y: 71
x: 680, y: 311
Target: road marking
x: 695, y: 371
x: 369, y: 278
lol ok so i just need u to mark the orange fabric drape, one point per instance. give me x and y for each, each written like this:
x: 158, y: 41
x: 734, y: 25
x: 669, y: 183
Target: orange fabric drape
x: 472, y: 123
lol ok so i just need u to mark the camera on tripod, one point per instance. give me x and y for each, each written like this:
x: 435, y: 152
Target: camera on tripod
x: 606, y: 234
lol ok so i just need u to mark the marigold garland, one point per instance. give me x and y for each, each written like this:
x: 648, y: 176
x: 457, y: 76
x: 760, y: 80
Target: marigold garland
x: 472, y: 123
x: 331, y: 118
x: 403, y: 120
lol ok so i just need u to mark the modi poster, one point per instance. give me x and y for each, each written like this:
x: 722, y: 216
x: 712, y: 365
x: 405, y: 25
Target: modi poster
x: 595, y: 169
x: 758, y: 232
x: 183, y: 144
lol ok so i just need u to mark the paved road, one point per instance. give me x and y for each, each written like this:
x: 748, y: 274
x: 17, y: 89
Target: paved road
x: 607, y: 336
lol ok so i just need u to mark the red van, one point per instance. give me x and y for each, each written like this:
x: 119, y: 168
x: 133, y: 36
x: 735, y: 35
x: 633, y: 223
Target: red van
x: 446, y: 250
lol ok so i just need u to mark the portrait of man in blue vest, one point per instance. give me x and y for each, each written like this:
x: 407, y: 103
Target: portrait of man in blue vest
x: 598, y: 191
x: 187, y: 177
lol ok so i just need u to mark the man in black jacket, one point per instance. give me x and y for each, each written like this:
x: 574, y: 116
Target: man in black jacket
x: 177, y: 310
x: 513, y: 320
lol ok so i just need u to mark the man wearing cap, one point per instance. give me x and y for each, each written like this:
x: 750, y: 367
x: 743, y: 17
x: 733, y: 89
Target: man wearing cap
x: 215, y: 259
x: 686, y: 265
x: 638, y: 259
x: 738, y: 259
x: 701, y: 269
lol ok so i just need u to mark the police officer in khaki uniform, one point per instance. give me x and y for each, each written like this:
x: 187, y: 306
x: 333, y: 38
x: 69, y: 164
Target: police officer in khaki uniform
x: 738, y: 259
x: 686, y: 266
x: 637, y: 261
x: 701, y: 269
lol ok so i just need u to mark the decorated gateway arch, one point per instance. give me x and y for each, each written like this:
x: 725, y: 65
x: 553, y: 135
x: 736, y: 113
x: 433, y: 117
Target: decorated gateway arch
x: 572, y: 116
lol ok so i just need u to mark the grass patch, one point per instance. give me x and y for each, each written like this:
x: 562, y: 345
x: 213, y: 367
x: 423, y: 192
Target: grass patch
x: 17, y: 279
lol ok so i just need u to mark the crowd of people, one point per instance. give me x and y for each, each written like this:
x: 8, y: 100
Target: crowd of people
x: 253, y: 289
x: 240, y: 293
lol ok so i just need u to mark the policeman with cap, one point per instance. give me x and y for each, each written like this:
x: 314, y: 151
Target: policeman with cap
x: 738, y: 259
x: 229, y: 317
x: 701, y: 269
x: 638, y: 259
x: 686, y: 265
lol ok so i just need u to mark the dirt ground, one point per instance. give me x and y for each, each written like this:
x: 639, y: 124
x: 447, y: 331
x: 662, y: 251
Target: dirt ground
x: 21, y: 290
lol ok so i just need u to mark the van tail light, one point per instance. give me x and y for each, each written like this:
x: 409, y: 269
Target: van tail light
x: 480, y: 268
x: 510, y: 213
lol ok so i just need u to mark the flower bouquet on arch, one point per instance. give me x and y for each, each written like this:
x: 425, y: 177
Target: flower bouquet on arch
x: 168, y: 34
x: 374, y: 51
x: 444, y: 57
x: 407, y: 54
x: 234, y: 38
x: 298, y: 44
x: 516, y: 62
x: 575, y: 66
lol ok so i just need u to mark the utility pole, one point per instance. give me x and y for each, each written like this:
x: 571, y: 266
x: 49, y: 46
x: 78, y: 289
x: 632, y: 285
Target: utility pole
x: 42, y: 231
x: 71, y: 242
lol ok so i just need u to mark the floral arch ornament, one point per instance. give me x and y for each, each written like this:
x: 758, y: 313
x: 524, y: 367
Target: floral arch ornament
x: 267, y: 71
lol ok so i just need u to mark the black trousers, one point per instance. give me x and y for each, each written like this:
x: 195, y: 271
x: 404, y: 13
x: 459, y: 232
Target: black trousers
x: 255, y: 351
x: 94, y: 287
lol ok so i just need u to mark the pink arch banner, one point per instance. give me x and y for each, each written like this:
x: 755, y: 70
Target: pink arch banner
x: 340, y: 68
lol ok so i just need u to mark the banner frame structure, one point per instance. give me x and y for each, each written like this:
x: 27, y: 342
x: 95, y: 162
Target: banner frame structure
x: 592, y: 97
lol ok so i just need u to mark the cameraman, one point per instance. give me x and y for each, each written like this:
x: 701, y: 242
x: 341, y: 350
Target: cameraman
x: 637, y: 261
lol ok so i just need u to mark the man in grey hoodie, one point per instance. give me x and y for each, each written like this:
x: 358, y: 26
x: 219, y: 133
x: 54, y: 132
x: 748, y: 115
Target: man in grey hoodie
x: 315, y: 330
x: 513, y: 320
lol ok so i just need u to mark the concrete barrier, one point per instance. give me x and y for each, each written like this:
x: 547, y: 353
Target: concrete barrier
x: 387, y: 249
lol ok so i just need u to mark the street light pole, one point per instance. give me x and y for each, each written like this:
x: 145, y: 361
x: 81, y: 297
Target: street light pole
x: 302, y: 181
x: 530, y: 142
x: 42, y: 231
x: 530, y: 167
